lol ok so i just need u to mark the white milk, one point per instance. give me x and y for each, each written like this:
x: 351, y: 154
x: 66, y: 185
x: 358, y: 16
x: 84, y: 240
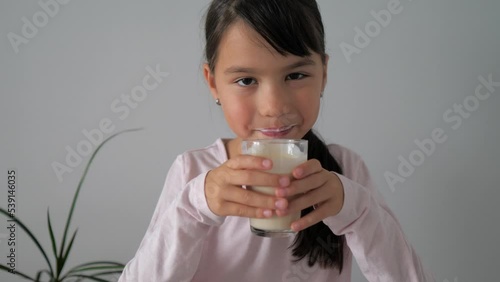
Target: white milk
x: 285, y: 158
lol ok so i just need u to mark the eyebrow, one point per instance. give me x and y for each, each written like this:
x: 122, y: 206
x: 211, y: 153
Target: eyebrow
x: 301, y: 63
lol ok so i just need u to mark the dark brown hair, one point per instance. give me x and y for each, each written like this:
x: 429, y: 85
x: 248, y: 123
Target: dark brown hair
x: 290, y: 27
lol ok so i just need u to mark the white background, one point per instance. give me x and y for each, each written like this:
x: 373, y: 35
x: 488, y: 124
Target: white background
x: 65, y: 78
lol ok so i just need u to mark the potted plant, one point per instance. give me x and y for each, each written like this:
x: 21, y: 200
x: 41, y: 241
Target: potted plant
x: 94, y: 271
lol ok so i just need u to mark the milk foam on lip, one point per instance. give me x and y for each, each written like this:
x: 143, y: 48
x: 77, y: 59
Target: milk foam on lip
x: 280, y: 129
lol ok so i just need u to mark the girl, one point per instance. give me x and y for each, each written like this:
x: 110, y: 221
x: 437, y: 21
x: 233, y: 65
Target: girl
x: 267, y: 69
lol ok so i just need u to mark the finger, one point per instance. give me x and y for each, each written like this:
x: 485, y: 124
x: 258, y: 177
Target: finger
x: 255, y: 178
x: 249, y: 162
x: 236, y: 209
x: 251, y: 198
x: 313, y: 197
x: 310, y: 219
x: 302, y: 186
x: 310, y: 167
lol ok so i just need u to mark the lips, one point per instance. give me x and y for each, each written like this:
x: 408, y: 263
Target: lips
x: 277, y: 131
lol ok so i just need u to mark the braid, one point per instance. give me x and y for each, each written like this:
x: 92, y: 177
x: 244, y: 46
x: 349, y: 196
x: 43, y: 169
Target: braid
x: 318, y: 243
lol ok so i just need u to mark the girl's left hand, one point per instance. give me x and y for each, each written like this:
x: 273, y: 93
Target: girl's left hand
x: 312, y: 186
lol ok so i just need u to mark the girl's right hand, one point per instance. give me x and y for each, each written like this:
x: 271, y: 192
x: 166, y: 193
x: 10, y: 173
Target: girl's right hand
x: 226, y: 197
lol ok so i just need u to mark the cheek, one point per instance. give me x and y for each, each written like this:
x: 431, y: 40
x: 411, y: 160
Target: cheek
x: 238, y: 113
x: 309, y: 107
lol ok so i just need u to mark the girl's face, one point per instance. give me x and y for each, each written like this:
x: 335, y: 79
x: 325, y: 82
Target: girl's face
x: 264, y: 94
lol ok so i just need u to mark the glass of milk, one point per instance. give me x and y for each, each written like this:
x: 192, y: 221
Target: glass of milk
x: 286, y: 154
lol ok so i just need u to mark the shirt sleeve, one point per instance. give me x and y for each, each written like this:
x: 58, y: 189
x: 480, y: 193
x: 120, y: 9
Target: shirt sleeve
x: 373, y: 233
x: 172, y: 246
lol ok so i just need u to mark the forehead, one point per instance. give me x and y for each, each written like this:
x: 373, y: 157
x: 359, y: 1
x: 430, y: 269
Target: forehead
x: 241, y: 45
x: 241, y: 36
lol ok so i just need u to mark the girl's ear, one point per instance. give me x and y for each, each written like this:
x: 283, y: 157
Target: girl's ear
x: 325, y: 72
x: 210, y: 79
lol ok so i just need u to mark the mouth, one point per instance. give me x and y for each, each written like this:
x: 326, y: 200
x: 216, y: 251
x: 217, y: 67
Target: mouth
x: 276, y: 132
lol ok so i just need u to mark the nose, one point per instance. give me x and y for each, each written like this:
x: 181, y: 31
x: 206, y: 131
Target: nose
x: 274, y: 101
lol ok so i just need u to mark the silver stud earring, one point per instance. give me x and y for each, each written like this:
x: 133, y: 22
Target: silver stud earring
x: 217, y: 101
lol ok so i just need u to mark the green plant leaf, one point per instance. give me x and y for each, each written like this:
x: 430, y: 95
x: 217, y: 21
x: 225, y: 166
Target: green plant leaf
x: 31, y: 236
x: 5, y: 268
x: 115, y: 267
x: 53, y: 241
x: 38, y: 276
x: 98, y: 274
x: 107, y: 273
x: 97, y: 264
x: 98, y: 268
x: 66, y: 254
x: 40, y: 273
x: 77, y: 192
x: 91, y: 277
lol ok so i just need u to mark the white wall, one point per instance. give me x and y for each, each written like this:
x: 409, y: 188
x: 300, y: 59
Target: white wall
x: 66, y: 77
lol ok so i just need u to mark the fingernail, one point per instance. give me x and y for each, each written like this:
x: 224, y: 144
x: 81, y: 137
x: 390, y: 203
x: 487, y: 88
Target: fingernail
x: 281, y: 192
x: 284, y: 181
x: 268, y: 213
x: 295, y: 227
x: 299, y: 172
x: 280, y: 204
x: 266, y: 163
x: 282, y: 212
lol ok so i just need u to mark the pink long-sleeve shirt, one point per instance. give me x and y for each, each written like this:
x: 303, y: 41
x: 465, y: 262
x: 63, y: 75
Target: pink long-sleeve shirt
x: 186, y: 241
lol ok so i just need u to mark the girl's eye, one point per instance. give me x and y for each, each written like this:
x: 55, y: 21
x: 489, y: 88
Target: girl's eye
x: 245, y: 81
x: 295, y: 76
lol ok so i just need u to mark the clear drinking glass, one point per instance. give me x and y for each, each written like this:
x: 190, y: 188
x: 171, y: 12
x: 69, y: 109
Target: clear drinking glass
x: 286, y: 154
